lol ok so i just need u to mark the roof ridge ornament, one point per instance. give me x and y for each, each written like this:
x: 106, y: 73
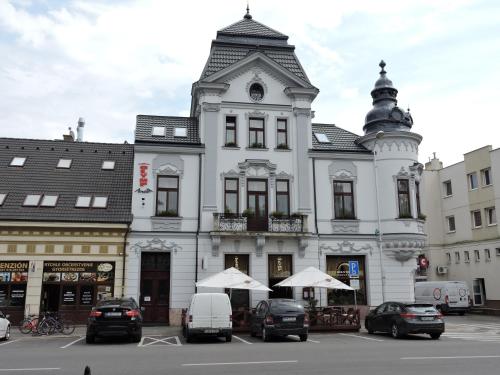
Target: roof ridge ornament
x: 248, y: 16
x: 382, y: 66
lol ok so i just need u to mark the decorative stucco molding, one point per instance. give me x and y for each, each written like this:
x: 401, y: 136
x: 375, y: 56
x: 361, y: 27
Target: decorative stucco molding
x: 257, y: 168
x: 303, y: 243
x: 302, y: 112
x: 256, y: 79
x: 156, y: 244
x: 342, y: 169
x: 166, y: 224
x: 403, y: 250
x: 215, y: 245
x: 258, y: 114
x: 345, y: 247
x: 260, y: 242
x: 210, y: 107
x: 345, y: 226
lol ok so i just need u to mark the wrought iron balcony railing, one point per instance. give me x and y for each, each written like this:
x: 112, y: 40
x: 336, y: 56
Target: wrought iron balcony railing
x: 252, y: 223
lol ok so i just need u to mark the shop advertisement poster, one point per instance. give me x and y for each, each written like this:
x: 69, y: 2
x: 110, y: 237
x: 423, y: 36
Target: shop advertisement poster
x: 73, y: 272
x: 14, y: 272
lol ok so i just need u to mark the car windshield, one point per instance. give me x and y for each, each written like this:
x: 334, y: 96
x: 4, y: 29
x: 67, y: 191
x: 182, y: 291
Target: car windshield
x: 422, y: 309
x: 281, y: 307
x: 115, y: 302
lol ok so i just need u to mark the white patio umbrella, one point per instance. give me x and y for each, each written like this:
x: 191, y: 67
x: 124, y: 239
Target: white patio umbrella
x: 313, y: 278
x: 231, y: 278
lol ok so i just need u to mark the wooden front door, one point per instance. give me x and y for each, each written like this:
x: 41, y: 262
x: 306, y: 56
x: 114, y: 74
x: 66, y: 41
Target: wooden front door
x: 155, y: 287
x: 257, y: 205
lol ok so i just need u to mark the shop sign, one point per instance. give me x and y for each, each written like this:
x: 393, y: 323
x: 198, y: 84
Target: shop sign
x: 143, y: 179
x: 69, y: 296
x: 86, y: 295
x: 15, y: 272
x: 55, y: 271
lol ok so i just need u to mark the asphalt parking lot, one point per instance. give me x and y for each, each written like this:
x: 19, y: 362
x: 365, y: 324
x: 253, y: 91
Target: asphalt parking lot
x: 471, y: 344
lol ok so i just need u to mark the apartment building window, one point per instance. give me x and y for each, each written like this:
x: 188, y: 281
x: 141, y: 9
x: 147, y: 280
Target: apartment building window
x: 282, y: 134
x: 417, y: 194
x: 487, y: 255
x: 477, y: 257
x: 491, y: 215
x: 447, y: 188
x: 476, y: 219
x: 448, y: 258
x: 486, y: 176
x: 231, y: 196
x: 457, y: 257
x: 343, y: 200
x: 472, y: 178
x: 283, y: 197
x: 404, y: 199
x: 256, y: 136
x: 230, y: 132
x: 466, y: 256
x: 167, y: 196
x: 451, y: 223
x: 497, y: 250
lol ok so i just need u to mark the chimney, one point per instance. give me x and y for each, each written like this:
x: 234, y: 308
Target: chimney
x: 79, y: 129
x: 434, y: 164
x: 69, y: 137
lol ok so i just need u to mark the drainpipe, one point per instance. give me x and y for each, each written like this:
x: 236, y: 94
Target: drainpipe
x: 316, y: 217
x: 199, y: 221
x: 124, y: 257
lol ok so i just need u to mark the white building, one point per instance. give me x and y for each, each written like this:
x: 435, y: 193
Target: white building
x: 248, y: 180
x: 464, y: 238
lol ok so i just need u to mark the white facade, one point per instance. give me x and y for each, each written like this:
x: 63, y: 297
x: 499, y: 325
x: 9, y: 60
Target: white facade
x: 197, y: 250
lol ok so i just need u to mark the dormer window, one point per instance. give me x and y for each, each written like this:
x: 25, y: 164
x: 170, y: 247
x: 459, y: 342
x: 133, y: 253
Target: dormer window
x: 180, y: 132
x: 64, y: 163
x: 256, y: 92
x: 158, y: 131
x: 108, y: 165
x: 17, y: 161
x: 321, y: 137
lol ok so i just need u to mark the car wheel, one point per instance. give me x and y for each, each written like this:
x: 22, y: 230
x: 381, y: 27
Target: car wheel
x: 189, y: 338
x: 7, y: 334
x: 229, y: 338
x: 461, y: 313
x: 265, y: 335
x: 136, y: 338
x: 90, y: 339
x: 303, y: 337
x: 252, y: 332
x: 395, y: 331
x: 435, y: 336
x: 368, y: 327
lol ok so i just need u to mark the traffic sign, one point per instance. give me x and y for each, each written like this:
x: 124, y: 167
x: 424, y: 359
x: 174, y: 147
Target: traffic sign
x: 354, y: 284
x: 353, y: 268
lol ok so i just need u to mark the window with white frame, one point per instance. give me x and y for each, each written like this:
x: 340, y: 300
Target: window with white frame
x: 472, y: 178
x: 343, y: 199
x: 32, y: 200
x: 497, y: 250
x: 158, y: 131
x: 487, y: 255
x: 281, y: 134
x: 256, y: 133
x: 476, y: 219
x: 450, y: 220
x: 283, y: 196
x: 17, y: 161
x: 457, y: 257
x: 64, y: 163
x: 491, y: 215
x: 404, y: 198
x: 231, y: 138
x: 466, y: 256
x: 477, y: 256
x: 486, y: 176
x: 448, y: 258
x: 448, y: 191
x: 180, y: 132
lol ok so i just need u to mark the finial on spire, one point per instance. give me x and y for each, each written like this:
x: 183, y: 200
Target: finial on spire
x: 382, y: 65
x: 248, y: 16
x: 408, y: 109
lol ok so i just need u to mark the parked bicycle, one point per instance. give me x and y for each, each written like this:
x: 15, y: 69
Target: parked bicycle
x: 29, y: 324
x: 53, y: 323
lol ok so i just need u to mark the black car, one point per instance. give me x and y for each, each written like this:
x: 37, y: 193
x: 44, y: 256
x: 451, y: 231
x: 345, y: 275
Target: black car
x: 115, y: 317
x: 400, y: 319
x: 279, y: 317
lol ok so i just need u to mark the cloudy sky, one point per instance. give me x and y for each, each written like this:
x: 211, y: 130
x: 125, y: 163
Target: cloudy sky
x: 108, y: 61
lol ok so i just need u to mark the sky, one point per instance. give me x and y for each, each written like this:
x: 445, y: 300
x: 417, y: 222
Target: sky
x: 108, y: 61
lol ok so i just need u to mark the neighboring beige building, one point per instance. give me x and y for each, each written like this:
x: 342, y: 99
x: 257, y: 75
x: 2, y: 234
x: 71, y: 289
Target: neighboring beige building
x: 463, y: 236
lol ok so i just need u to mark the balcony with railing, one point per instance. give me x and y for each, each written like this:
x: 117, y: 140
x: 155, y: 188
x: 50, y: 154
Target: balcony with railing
x: 238, y: 223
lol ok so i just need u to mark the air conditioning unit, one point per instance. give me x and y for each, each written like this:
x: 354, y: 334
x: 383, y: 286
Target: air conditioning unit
x: 442, y: 270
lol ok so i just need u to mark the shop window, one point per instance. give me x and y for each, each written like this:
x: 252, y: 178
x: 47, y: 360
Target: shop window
x: 338, y: 267
x: 447, y: 189
x: 282, y: 134
x: 343, y: 200
x: 231, y: 196
x: 87, y: 293
x: 404, y: 199
x: 68, y: 295
x: 13, y: 280
x: 280, y: 267
x: 240, y: 299
x: 256, y: 136
x: 283, y: 197
x: 230, y: 140
x: 167, y: 198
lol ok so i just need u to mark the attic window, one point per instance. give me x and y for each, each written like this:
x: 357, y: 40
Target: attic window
x: 49, y: 200
x: 83, y: 201
x: 17, y: 162
x: 2, y: 198
x: 158, y: 131
x: 64, y: 163
x: 321, y: 137
x: 256, y: 92
x: 32, y: 200
x: 180, y: 132
x: 108, y: 165
x: 100, y: 202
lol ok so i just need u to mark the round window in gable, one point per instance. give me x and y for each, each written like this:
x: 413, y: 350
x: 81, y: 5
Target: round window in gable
x: 256, y: 92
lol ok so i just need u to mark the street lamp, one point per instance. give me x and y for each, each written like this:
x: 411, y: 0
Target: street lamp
x: 378, y: 136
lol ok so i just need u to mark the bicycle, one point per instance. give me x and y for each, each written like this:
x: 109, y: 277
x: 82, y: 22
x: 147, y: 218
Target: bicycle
x: 29, y: 324
x: 53, y: 323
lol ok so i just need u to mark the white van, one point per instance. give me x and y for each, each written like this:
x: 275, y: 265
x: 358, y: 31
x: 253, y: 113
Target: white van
x: 446, y: 296
x: 209, y: 314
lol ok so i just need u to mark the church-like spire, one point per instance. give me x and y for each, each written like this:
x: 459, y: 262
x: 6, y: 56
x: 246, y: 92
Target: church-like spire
x: 248, y: 16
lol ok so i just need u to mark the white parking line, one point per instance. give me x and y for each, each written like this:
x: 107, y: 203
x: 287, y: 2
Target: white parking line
x: 9, y: 342
x: 360, y: 337
x: 161, y: 341
x: 242, y: 340
x: 237, y: 363
x: 314, y: 341
x: 72, y: 342
x: 31, y: 369
x: 458, y: 357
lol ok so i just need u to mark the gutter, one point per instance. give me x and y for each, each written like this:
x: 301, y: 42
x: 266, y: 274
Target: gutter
x: 199, y: 222
x: 124, y: 258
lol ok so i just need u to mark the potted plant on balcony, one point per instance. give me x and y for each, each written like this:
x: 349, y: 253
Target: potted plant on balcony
x: 168, y: 213
x: 277, y: 214
x: 282, y: 146
x: 231, y: 144
x: 405, y: 216
x: 422, y: 217
x: 248, y: 212
x: 296, y: 215
x: 228, y: 212
x: 256, y: 145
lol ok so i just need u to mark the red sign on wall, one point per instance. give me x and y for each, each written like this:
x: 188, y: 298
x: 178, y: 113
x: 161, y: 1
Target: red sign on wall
x: 143, y: 173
